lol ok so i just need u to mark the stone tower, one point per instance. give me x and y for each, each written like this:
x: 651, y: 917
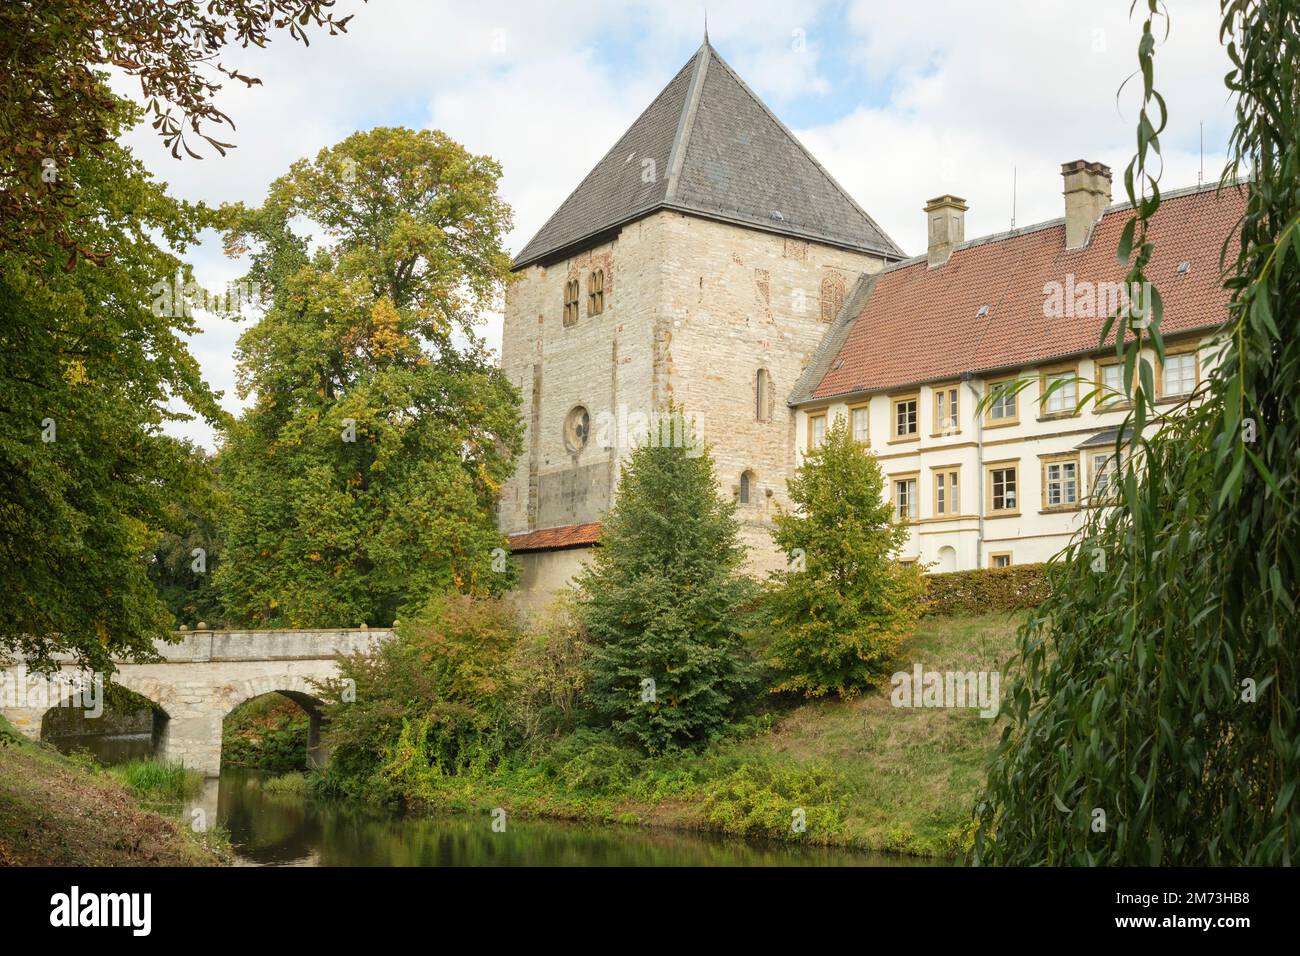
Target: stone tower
x: 701, y: 261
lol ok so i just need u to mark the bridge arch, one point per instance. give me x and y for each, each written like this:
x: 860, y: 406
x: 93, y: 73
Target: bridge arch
x: 107, y: 717
x: 300, y: 688
x: 297, y: 687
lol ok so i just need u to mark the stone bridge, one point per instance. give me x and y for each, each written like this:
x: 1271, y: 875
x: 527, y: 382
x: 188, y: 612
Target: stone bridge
x: 198, y: 681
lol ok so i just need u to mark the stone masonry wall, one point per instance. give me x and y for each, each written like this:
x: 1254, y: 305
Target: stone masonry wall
x: 600, y: 362
x: 734, y: 301
x: 693, y: 308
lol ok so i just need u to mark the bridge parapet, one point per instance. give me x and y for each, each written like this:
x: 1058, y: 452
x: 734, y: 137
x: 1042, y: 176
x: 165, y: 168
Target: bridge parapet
x: 268, y: 645
x: 205, y: 646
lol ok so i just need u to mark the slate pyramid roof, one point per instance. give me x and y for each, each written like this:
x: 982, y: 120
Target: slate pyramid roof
x: 708, y: 146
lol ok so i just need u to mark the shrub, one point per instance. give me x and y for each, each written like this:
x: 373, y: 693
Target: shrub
x: 763, y: 799
x: 548, y: 673
x: 602, y: 768
x: 439, y: 692
x: 837, y: 620
x: 986, y: 590
x: 292, y: 783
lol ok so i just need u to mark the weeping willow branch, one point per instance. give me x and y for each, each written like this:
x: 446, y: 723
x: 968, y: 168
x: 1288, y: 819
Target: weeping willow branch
x: 1155, y: 721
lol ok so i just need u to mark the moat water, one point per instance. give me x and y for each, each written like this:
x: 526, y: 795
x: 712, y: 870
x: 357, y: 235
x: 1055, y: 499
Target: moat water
x: 293, y: 829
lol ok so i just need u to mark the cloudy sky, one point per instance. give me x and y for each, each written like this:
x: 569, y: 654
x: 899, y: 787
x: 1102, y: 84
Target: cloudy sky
x: 900, y: 100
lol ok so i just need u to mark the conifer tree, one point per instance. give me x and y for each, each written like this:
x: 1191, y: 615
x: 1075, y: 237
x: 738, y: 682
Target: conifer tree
x: 840, y: 609
x: 663, y: 599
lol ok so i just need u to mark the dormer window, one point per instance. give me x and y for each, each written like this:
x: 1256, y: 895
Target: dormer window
x: 596, y: 292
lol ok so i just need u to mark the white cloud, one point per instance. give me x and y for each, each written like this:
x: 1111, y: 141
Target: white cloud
x: 1031, y: 86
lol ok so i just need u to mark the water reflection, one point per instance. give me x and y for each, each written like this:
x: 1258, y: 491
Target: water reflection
x: 291, y: 829
x: 288, y: 829
x: 108, y: 749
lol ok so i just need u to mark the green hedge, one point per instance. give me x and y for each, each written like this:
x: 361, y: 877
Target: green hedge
x: 985, y: 590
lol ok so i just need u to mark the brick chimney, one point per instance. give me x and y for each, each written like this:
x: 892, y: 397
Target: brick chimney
x: 946, y: 217
x: 1087, y: 194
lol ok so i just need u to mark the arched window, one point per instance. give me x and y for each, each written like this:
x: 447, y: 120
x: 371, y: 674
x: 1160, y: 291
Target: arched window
x: 596, y: 292
x: 746, y: 481
x: 762, y: 389
x: 570, y: 302
x: 832, y: 297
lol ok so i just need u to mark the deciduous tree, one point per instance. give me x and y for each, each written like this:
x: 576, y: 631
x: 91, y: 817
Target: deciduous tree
x: 89, y: 378
x: 838, y: 612
x: 55, y: 106
x: 1158, y: 718
x: 364, y: 475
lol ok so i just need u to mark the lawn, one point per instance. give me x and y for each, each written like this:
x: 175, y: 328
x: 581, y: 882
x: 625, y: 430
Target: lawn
x: 913, y: 774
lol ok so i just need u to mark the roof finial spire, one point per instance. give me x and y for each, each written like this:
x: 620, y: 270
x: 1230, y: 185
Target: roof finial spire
x: 706, y: 26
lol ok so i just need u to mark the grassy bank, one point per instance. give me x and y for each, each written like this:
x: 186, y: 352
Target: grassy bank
x: 154, y: 782
x: 60, y: 811
x: 864, y: 773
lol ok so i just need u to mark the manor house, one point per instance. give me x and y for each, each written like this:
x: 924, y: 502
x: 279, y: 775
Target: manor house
x: 709, y: 261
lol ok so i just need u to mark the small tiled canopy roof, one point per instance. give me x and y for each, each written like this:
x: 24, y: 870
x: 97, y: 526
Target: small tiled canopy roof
x: 708, y: 146
x: 551, y: 539
x: 911, y: 324
x: 1104, y: 438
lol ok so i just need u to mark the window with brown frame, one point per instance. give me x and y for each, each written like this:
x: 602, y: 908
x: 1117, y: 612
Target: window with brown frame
x: 946, y: 418
x: 596, y: 292
x: 859, y: 424
x: 1061, y: 482
x: 1103, y: 477
x: 1003, y: 406
x: 571, y: 302
x: 1003, y: 484
x: 906, y: 501
x: 1000, y: 559
x: 947, y: 494
x: 1179, y: 374
x: 907, y: 417
x: 1060, y: 393
x: 1110, y: 385
x: 816, y: 430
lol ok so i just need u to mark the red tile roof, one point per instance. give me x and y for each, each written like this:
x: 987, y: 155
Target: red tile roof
x: 920, y: 324
x: 567, y: 536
